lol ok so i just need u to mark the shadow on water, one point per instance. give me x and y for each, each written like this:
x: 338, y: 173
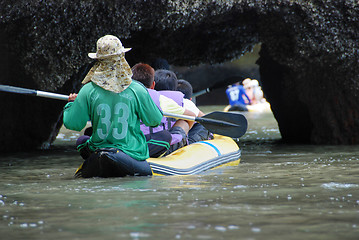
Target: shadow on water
x: 277, y: 192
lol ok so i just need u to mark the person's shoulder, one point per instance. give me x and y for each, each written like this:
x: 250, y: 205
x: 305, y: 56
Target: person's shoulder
x: 164, y: 98
x: 168, y: 100
x: 186, y: 100
x: 189, y: 103
x: 169, y: 105
x: 137, y: 86
x: 88, y: 86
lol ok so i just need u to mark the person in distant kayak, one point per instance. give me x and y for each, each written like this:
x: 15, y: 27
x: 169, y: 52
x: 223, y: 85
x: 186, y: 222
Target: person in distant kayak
x: 115, y: 105
x: 167, y: 83
x: 257, y: 91
x: 178, y: 129
x: 248, y: 87
x: 238, y: 98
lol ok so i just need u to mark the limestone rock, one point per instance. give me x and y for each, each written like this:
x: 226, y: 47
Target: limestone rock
x: 308, y: 62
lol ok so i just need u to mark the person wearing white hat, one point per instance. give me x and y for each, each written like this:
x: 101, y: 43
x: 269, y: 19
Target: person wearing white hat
x: 257, y: 91
x: 115, y: 105
x: 238, y: 98
x: 246, y: 82
x: 248, y: 86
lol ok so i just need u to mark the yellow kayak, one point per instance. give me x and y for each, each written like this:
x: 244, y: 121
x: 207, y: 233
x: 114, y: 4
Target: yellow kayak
x: 191, y: 159
x: 258, y: 107
x: 198, y: 157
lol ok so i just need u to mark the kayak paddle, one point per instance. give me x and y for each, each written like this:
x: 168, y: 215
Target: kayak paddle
x: 223, y: 123
x: 37, y: 93
x: 224, y: 83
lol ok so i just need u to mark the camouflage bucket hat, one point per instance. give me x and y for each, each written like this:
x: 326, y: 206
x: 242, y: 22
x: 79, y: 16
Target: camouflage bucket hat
x: 108, y: 46
x: 111, y: 71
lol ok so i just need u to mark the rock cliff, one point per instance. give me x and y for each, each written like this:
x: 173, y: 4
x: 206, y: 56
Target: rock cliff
x: 308, y: 61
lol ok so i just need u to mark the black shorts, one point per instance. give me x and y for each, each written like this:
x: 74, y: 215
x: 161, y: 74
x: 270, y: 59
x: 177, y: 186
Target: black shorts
x: 111, y: 162
x: 158, y: 143
x: 198, y: 133
x: 182, y: 143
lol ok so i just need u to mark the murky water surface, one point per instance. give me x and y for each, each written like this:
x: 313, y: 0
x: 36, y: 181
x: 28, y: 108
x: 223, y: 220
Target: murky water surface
x: 277, y: 192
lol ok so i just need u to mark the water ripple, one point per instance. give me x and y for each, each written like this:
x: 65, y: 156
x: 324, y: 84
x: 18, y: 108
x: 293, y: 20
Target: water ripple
x: 334, y: 185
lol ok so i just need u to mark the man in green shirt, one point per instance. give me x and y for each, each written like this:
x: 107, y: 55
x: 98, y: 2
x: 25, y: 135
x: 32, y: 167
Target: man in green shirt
x: 115, y: 105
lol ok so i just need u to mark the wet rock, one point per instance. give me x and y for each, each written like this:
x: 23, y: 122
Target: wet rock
x: 308, y: 62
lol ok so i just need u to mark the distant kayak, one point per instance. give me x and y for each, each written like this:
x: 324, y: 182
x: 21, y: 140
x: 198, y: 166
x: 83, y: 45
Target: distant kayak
x: 258, y: 107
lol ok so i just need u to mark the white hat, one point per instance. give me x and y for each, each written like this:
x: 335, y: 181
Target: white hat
x: 254, y: 83
x: 246, y: 82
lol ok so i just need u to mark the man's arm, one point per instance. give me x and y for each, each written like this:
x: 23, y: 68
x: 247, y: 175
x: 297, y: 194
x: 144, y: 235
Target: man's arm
x: 170, y: 106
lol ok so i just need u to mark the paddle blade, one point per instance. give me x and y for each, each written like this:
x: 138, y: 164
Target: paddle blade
x: 232, y: 124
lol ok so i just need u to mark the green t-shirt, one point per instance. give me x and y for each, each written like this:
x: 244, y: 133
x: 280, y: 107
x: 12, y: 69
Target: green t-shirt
x: 115, y: 117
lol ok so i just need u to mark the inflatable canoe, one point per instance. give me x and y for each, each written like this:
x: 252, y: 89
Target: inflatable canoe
x: 198, y: 157
x: 192, y: 159
x: 258, y: 107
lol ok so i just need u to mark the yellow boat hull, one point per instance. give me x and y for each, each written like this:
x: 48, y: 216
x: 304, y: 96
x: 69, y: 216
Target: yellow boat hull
x: 192, y: 159
x: 258, y: 107
x: 198, y: 157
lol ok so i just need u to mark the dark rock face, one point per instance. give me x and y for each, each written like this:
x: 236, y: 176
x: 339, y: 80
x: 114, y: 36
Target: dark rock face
x: 308, y: 62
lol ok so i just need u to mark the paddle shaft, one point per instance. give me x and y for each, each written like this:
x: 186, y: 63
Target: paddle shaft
x: 200, y: 120
x: 228, y: 124
x: 223, y: 83
x: 199, y: 93
x: 32, y: 92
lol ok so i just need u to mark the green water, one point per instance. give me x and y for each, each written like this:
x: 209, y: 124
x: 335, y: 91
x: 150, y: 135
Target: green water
x: 276, y: 192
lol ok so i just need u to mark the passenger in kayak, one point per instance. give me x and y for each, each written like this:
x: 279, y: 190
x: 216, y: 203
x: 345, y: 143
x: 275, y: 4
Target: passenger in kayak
x: 178, y: 129
x: 160, y: 63
x: 197, y: 132
x: 185, y: 87
x: 167, y: 83
x: 254, y: 91
x: 257, y: 92
x: 248, y: 87
x: 115, y: 105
